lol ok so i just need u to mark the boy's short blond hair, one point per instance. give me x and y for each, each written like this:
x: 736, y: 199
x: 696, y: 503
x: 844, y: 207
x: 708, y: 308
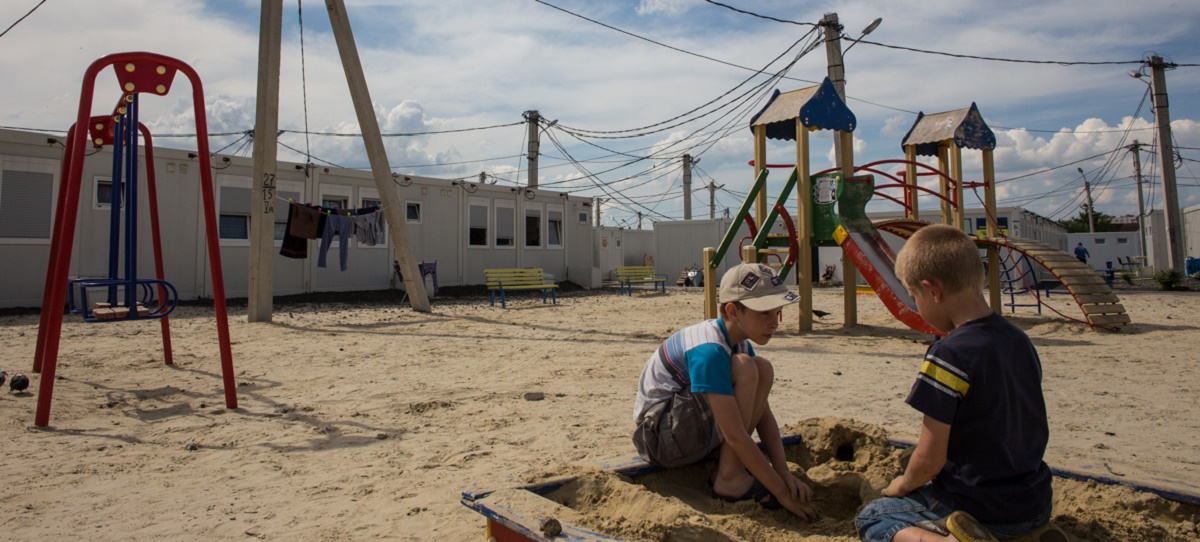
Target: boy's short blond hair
x: 942, y: 254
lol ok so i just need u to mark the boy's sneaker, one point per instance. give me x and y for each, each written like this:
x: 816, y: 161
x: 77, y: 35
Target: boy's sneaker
x: 966, y: 528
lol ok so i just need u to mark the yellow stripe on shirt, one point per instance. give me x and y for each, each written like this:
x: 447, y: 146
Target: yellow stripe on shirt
x: 945, y: 378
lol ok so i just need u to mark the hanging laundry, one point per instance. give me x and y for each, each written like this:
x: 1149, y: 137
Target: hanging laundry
x: 304, y: 221
x: 342, y: 227
x: 369, y: 228
x: 293, y: 245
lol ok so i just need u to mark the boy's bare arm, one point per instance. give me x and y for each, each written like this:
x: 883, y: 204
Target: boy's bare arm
x: 768, y: 433
x: 927, y: 460
x: 729, y: 420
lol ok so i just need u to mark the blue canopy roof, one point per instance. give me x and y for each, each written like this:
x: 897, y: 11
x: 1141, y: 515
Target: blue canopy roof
x: 818, y: 107
x: 964, y: 126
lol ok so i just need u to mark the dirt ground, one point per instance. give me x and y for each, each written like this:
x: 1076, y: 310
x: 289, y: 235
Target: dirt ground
x: 367, y: 420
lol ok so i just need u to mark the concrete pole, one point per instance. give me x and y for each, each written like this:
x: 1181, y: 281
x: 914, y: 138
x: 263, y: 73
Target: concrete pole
x: 266, y: 139
x: 1137, y: 175
x: 712, y: 200
x: 393, y: 208
x: 687, y: 187
x: 837, y: 70
x: 532, y: 117
x: 639, y: 220
x: 1166, y: 153
x: 1087, y: 187
x: 598, y: 202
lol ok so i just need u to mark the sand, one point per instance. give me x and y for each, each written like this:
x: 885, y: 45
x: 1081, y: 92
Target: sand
x: 367, y: 421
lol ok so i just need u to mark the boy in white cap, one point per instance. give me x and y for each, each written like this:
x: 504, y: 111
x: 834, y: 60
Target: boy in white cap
x: 705, y: 389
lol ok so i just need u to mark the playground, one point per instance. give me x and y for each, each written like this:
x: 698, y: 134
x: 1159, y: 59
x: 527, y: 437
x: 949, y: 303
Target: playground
x: 359, y: 422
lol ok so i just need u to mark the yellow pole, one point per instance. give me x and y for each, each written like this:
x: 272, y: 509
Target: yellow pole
x: 910, y: 178
x: 993, y: 252
x: 957, y: 173
x: 849, y: 270
x: 710, y: 284
x: 943, y: 184
x: 760, y: 163
x: 804, y: 278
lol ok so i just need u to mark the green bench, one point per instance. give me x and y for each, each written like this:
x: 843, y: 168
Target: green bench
x: 628, y: 275
x: 517, y: 279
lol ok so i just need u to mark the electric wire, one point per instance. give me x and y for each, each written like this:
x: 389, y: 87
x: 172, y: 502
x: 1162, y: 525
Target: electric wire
x: 998, y: 59
x: 18, y: 21
x: 304, y: 83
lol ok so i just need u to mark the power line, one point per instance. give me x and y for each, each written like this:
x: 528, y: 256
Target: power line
x: 10, y: 27
x: 767, y: 17
x: 406, y: 134
x: 997, y: 59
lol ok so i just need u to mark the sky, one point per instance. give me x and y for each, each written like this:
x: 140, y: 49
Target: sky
x: 679, y: 76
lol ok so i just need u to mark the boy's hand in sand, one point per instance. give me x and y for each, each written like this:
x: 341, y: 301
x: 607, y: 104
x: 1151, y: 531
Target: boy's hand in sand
x: 896, y: 488
x: 797, y: 489
x: 802, y: 508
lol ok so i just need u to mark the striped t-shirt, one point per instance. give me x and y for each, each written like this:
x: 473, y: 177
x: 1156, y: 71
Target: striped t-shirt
x: 695, y: 358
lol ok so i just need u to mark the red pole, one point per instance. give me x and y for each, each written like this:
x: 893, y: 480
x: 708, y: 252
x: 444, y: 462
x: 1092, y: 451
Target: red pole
x: 60, y: 259
x: 152, y: 192
x: 210, y: 227
x: 44, y: 314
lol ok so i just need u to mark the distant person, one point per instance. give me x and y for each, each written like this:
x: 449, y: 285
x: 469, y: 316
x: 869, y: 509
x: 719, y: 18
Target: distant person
x: 977, y: 472
x: 705, y: 389
x: 1081, y: 253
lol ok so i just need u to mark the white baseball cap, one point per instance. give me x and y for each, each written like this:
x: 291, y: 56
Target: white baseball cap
x: 756, y: 286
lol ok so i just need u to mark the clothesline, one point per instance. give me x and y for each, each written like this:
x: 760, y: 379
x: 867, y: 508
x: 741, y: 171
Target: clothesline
x: 290, y: 200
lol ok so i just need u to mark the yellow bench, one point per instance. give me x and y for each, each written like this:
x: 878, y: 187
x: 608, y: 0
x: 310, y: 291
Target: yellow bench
x: 628, y: 275
x: 517, y: 279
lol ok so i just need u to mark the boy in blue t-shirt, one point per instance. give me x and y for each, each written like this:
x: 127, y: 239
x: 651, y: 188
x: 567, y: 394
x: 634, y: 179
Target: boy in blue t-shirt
x: 977, y: 471
x: 706, y: 389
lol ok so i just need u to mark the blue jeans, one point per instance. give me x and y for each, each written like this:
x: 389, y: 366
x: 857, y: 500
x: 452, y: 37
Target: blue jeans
x: 882, y: 518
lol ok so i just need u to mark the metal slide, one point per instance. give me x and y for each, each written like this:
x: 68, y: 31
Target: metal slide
x: 877, y: 263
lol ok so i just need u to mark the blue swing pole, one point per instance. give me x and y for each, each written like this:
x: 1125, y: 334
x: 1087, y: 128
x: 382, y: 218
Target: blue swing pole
x: 116, y: 200
x: 131, y: 200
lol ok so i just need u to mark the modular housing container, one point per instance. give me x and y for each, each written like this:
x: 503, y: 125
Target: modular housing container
x: 464, y: 227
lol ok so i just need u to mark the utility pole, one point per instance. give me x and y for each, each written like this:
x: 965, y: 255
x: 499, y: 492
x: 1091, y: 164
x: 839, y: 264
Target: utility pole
x: 837, y: 69
x: 712, y: 199
x: 687, y: 187
x: 1137, y: 175
x: 639, y: 220
x: 598, y: 202
x: 260, y: 295
x: 1087, y: 187
x: 393, y: 206
x: 532, y: 117
x: 1166, y: 153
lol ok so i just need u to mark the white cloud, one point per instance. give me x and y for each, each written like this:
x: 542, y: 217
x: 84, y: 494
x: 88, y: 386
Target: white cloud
x: 669, y: 7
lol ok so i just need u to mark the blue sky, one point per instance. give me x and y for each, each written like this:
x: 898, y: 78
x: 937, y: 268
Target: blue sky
x: 435, y: 65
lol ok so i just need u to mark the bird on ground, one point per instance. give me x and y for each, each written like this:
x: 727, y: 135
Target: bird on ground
x: 820, y: 313
x: 3, y: 377
x: 18, y: 383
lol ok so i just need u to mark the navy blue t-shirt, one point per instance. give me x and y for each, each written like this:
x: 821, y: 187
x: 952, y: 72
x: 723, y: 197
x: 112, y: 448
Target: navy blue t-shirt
x: 985, y: 380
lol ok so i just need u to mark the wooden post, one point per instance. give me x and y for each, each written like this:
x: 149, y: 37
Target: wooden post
x: 956, y: 171
x: 993, y: 252
x: 804, y: 223
x: 760, y: 163
x: 849, y: 270
x: 266, y: 144
x: 911, y: 179
x: 710, y: 284
x: 377, y: 154
x: 943, y: 184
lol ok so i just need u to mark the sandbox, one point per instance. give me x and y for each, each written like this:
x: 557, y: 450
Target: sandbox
x: 844, y: 461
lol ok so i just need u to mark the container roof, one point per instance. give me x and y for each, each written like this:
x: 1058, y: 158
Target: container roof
x: 964, y: 126
x: 818, y: 107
